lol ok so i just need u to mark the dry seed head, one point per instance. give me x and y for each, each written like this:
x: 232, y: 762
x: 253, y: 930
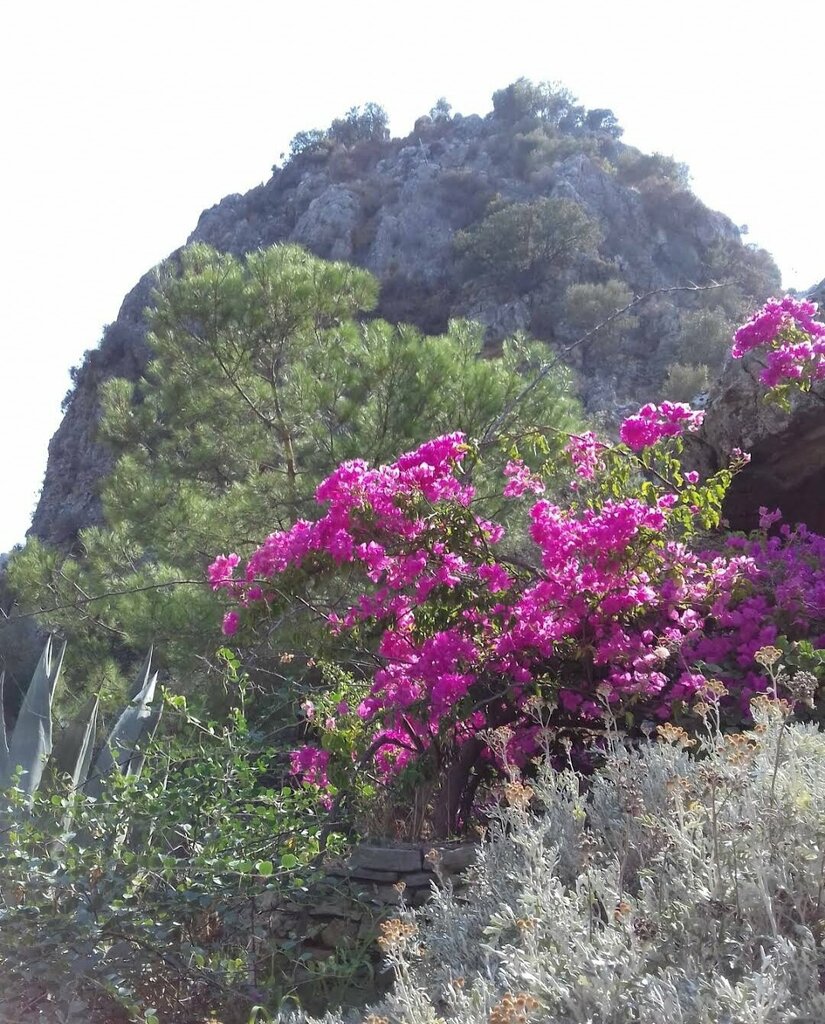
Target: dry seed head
x: 394, y: 932
x: 645, y: 928
x: 803, y: 688
x: 767, y: 656
x: 765, y: 706
x: 517, y: 794
x: 621, y: 911
x: 534, y: 705
x: 513, y: 1009
x: 716, y: 688
x: 670, y: 733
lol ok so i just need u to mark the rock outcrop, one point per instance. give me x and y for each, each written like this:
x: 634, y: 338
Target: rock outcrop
x: 787, y: 448
x: 395, y: 206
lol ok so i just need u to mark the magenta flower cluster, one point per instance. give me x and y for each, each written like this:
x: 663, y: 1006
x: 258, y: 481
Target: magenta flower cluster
x: 618, y: 613
x: 585, y: 452
x: 520, y: 480
x: 614, y: 610
x: 790, y: 339
x: 654, y: 422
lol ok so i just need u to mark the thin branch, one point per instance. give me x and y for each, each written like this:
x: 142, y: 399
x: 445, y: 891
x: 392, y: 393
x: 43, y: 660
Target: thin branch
x: 106, y: 594
x: 497, y: 423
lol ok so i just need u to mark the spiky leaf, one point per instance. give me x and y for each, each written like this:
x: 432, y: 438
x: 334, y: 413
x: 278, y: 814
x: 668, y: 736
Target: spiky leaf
x: 4, y: 743
x: 74, y: 748
x: 134, y: 727
x: 142, y: 677
x: 31, y: 740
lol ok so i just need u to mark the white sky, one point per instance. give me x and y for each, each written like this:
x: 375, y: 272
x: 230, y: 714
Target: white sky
x: 121, y: 121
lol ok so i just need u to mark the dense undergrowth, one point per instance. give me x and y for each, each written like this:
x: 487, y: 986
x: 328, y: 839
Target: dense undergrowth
x: 672, y: 885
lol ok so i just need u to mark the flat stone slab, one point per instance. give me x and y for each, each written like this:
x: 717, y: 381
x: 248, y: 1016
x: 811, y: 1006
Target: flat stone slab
x: 386, y: 858
x: 418, y: 878
x: 456, y: 858
x: 361, y: 874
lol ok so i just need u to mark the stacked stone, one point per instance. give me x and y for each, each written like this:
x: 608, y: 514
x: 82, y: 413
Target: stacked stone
x: 343, y: 910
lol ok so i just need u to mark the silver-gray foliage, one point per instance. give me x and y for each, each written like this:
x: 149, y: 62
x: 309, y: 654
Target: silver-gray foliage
x: 667, y: 887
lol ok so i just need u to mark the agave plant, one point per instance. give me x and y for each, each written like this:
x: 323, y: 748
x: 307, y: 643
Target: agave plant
x: 31, y: 742
x: 133, y: 729
x: 24, y: 756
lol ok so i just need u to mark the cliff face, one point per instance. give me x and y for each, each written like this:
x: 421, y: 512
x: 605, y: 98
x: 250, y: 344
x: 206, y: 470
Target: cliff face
x: 396, y: 206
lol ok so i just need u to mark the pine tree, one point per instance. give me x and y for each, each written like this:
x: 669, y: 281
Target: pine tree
x: 267, y: 373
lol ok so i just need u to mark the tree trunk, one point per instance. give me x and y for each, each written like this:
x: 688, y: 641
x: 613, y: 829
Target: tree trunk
x: 449, y: 797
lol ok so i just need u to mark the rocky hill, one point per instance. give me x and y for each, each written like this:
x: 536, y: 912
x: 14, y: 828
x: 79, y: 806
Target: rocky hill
x: 534, y: 218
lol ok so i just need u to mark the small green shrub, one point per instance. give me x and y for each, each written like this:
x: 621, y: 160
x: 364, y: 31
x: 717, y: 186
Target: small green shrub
x: 645, y: 170
x: 685, y: 381
x: 151, y: 902
x: 589, y: 304
x: 523, y: 244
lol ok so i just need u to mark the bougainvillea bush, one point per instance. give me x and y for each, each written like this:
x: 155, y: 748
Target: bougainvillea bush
x: 626, y: 603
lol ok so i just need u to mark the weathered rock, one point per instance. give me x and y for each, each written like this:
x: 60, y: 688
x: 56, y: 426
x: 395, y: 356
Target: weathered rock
x: 386, y: 859
x: 787, y: 448
x: 395, y: 207
x: 328, y: 223
x: 454, y: 859
x: 418, y: 879
x: 371, y: 875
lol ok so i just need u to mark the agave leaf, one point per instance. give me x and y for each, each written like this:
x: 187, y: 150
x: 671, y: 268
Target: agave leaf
x: 73, y: 750
x: 136, y: 763
x: 73, y: 753
x: 130, y: 730
x: 142, y: 677
x: 4, y: 743
x: 31, y: 741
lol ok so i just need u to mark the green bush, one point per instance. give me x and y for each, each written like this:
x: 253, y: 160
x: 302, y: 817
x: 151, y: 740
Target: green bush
x: 149, y: 903
x: 700, y: 337
x: 684, y: 381
x: 547, y: 102
x: 522, y: 244
x: 748, y: 273
x: 646, y: 170
x: 543, y: 147
x: 588, y: 304
x: 360, y: 124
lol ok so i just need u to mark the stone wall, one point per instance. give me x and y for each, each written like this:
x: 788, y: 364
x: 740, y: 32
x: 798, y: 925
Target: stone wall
x: 316, y: 937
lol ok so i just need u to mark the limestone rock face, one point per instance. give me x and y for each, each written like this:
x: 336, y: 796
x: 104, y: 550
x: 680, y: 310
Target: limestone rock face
x: 69, y: 499
x: 787, y: 448
x: 328, y: 223
x: 394, y: 206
